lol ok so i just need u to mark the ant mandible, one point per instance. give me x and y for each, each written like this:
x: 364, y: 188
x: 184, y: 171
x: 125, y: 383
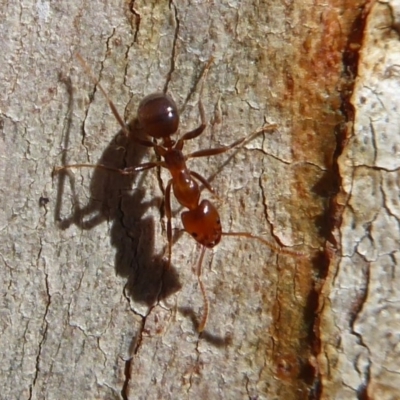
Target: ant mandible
x: 158, y: 116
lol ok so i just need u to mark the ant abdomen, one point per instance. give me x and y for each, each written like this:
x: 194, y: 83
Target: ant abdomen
x: 158, y: 115
x: 203, y: 223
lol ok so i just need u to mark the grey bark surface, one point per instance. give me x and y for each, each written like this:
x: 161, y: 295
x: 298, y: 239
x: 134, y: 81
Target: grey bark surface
x: 83, y: 288
x: 360, y: 313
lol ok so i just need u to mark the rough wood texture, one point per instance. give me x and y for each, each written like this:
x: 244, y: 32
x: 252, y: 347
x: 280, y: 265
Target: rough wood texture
x: 87, y: 308
x: 360, y: 313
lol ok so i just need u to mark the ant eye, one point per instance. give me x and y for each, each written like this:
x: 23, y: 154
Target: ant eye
x: 194, y: 234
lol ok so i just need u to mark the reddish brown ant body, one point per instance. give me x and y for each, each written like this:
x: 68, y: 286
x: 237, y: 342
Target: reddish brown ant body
x: 158, y: 116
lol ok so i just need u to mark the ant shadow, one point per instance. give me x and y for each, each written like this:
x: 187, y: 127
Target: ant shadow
x: 119, y: 200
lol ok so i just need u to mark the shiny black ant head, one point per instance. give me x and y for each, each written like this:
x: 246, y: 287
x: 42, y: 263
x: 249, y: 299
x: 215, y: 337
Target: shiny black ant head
x: 158, y: 115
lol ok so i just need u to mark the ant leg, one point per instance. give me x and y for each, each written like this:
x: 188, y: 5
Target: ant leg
x: 124, y: 171
x: 220, y: 150
x: 168, y: 213
x: 203, y: 180
x: 204, y: 318
x: 272, y: 246
x: 198, y: 131
x: 142, y: 167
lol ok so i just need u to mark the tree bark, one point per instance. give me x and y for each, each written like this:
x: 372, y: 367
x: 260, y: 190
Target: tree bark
x: 359, y: 312
x: 88, y: 308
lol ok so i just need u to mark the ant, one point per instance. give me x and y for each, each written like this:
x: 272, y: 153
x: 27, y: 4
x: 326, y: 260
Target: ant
x: 158, y: 116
